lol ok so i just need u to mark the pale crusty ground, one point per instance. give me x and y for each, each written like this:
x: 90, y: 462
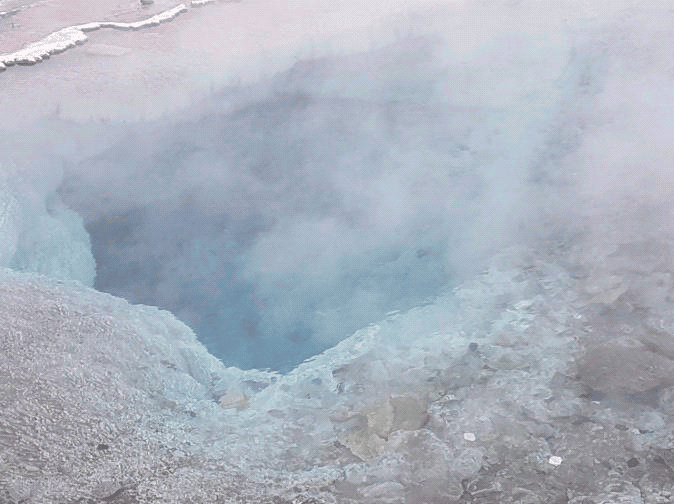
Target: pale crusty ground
x: 145, y: 73
x: 37, y: 19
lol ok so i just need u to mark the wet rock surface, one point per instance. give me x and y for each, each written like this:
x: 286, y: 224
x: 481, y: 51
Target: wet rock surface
x: 528, y: 408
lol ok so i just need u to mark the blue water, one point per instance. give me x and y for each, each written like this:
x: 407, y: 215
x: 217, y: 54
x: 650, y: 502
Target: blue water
x: 285, y: 215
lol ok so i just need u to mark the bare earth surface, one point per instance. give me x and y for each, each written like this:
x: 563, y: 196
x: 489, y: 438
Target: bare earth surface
x: 145, y: 73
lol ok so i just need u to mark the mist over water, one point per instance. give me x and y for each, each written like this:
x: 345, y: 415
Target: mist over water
x: 459, y: 214
x: 286, y: 215
x: 278, y: 214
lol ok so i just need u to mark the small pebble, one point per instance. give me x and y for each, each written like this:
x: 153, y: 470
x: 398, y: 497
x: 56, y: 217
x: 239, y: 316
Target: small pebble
x: 469, y: 436
x: 633, y: 462
x: 555, y: 460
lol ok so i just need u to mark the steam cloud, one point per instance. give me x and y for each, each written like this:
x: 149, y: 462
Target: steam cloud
x: 277, y: 217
